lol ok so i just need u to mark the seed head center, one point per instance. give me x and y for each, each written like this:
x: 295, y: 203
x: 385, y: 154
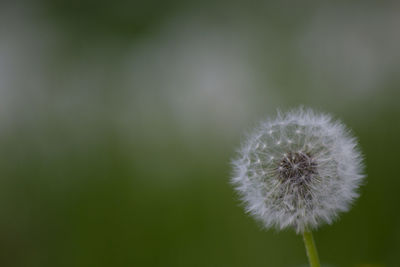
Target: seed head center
x: 297, y: 167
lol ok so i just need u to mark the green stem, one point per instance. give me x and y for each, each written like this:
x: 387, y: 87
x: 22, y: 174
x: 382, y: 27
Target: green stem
x: 311, y: 249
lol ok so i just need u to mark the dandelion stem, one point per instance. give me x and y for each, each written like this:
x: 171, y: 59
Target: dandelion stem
x: 311, y: 249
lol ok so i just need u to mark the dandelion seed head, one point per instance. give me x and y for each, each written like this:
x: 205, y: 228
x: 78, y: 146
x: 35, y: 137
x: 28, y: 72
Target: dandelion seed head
x: 303, y: 182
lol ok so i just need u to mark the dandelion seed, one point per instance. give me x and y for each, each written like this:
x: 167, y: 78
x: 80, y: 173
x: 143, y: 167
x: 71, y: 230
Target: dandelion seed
x: 307, y: 180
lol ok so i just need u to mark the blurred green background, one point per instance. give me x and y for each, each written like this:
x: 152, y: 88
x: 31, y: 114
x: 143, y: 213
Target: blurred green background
x: 118, y: 120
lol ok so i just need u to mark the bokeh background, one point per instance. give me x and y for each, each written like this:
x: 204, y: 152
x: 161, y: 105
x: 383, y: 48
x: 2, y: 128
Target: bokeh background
x: 118, y: 120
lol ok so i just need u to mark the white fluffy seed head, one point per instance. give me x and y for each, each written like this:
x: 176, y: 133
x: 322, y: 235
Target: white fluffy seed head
x: 299, y: 170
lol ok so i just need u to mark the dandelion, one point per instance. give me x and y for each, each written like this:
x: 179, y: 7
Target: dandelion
x: 298, y: 171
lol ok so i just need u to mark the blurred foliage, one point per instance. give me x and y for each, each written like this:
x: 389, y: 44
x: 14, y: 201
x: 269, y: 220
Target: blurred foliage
x: 119, y: 19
